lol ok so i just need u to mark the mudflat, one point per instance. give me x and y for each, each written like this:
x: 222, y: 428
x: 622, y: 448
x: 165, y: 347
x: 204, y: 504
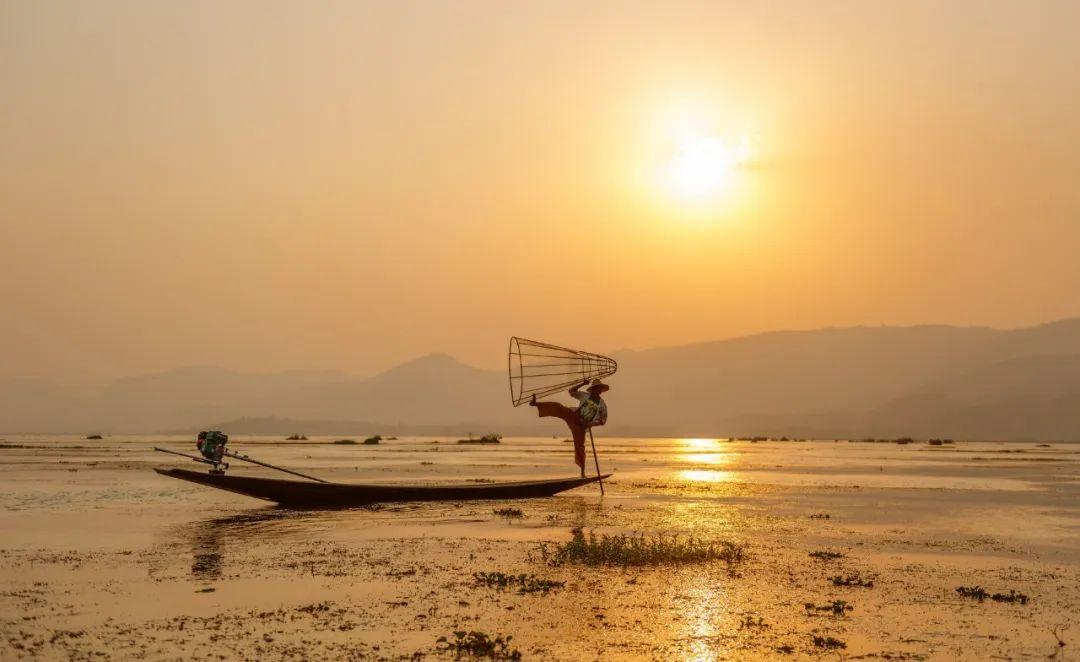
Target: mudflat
x: 825, y: 548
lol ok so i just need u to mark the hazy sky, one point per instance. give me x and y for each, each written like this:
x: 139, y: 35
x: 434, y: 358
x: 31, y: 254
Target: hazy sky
x: 276, y: 185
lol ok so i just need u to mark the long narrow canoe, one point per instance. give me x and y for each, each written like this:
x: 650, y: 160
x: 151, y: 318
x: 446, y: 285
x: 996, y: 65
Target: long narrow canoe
x: 344, y: 495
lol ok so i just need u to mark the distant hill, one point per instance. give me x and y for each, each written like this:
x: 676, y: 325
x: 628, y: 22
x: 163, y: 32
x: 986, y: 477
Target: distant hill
x: 922, y: 381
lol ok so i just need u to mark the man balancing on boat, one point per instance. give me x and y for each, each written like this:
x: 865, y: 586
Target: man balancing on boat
x: 590, y: 412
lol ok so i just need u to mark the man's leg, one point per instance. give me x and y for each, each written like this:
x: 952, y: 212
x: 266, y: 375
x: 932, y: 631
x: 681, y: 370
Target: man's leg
x: 577, y: 430
x: 556, y: 410
x: 579, y: 447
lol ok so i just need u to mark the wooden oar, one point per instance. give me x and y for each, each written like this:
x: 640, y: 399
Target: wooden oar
x: 597, y: 461
x: 245, y: 458
x: 193, y: 457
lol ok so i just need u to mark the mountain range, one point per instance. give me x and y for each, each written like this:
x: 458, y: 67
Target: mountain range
x: 920, y: 381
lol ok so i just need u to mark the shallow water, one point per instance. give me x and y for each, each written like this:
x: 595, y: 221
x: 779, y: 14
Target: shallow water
x: 95, y: 542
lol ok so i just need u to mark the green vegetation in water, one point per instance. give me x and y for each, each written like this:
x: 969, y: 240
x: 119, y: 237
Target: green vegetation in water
x: 486, y: 439
x: 829, y: 643
x: 639, y: 550
x: 509, y: 513
x: 296, y: 437
x: 851, y: 580
x: 479, y: 644
x: 525, y: 583
x: 372, y: 441
x: 981, y: 594
x: 837, y: 607
x: 826, y: 556
x: 345, y: 442
x: 821, y: 516
x: 94, y: 436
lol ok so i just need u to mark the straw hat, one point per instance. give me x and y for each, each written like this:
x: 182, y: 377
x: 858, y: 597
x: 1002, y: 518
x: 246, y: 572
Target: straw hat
x: 598, y: 386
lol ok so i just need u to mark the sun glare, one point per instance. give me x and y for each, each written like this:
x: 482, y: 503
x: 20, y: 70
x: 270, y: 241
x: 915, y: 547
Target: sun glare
x: 704, y: 167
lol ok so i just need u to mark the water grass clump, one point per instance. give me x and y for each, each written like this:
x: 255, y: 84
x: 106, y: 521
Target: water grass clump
x: 981, y: 594
x: 345, y: 442
x: 828, y: 643
x: 851, y: 580
x: 509, y: 513
x: 296, y: 437
x: 525, y: 583
x: 639, y: 550
x: 480, y: 644
x: 837, y: 607
x: 94, y: 436
x: 373, y: 441
x: 486, y: 439
x: 821, y: 555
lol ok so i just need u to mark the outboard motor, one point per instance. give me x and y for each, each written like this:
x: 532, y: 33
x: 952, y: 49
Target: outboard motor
x: 212, y: 444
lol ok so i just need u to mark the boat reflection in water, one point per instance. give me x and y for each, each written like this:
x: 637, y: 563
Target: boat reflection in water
x: 212, y: 541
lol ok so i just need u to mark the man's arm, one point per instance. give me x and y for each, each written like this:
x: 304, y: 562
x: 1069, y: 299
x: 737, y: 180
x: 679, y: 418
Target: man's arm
x: 577, y: 387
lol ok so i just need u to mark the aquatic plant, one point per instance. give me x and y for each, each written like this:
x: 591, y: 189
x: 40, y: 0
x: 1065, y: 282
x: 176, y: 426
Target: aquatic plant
x: 826, y: 556
x: 851, y: 580
x: 345, y: 442
x: 479, y: 644
x: 837, y: 607
x: 821, y: 516
x: 486, y: 439
x: 372, y: 441
x: 525, y: 583
x: 639, y: 550
x: 94, y: 436
x: 981, y: 594
x: 509, y: 513
x: 829, y: 643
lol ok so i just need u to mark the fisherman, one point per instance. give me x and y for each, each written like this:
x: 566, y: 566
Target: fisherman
x: 591, y: 411
x: 211, y: 444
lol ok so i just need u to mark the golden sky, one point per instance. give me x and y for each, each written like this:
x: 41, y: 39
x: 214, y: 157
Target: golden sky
x: 279, y: 185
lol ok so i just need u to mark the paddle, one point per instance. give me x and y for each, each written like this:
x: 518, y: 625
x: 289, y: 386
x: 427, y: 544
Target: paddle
x: 597, y: 461
x: 245, y: 458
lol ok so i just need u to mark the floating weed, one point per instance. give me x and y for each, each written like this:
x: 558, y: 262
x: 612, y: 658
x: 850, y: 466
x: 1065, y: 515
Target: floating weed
x: 509, y: 513
x: 1011, y: 596
x: 750, y: 622
x: 851, y: 580
x: 639, y: 550
x: 821, y: 516
x: 829, y: 643
x: 826, y: 556
x: 837, y: 607
x: 479, y: 644
x: 981, y: 594
x: 525, y: 583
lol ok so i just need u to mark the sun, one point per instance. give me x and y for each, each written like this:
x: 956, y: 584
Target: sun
x: 703, y: 167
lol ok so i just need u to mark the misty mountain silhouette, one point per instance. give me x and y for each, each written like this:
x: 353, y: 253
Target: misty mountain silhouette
x: 921, y: 381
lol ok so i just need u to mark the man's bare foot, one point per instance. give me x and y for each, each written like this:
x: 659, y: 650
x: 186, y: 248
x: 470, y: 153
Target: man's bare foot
x: 532, y: 400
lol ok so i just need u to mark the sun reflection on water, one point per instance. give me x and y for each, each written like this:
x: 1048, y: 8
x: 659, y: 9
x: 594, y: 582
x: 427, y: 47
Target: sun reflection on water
x: 706, y: 475
x: 704, y: 451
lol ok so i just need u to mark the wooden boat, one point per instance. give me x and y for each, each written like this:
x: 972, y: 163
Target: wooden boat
x: 343, y: 495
